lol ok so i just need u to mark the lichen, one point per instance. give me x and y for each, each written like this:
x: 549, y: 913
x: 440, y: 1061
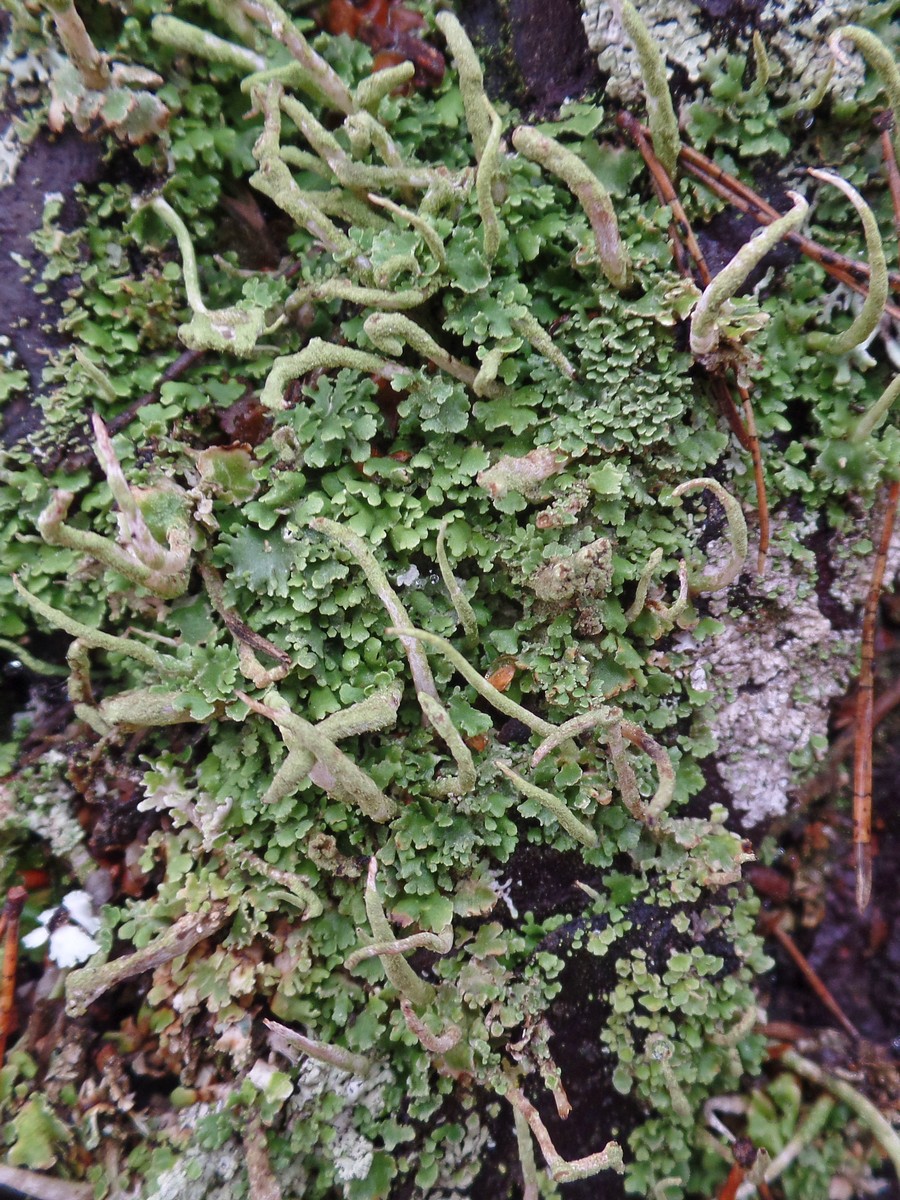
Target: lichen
x: 413, y: 372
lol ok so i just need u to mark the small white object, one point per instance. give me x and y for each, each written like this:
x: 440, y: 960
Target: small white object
x: 408, y: 577
x: 72, y: 942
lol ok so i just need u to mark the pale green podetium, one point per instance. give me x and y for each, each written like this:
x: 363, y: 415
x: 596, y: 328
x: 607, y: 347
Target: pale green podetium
x: 872, y: 311
x: 234, y: 330
x: 660, y: 111
x: 591, y: 194
x: 711, y: 307
x: 737, y: 532
x: 879, y: 58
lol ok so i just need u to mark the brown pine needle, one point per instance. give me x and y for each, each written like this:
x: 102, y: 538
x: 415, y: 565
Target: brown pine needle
x: 9, y: 927
x: 865, y: 699
x: 812, y: 977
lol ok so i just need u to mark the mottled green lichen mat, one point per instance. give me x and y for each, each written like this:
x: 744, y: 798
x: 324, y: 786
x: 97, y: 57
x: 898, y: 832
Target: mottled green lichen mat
x: 376, y: 817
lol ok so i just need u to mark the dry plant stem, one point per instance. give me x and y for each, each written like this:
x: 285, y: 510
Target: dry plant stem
x: 722, y: 392
x: 9, y: 924
x: 609, y: 1158
x: 880, y: 1128
x: 86, y: 985
x: 260, y: 1176
x: 35, y: 1186
x: 813, y: 978
x: 759, y: 479
x: 665, y: 190
x: 76, y: 40
x: 862, y: 749
x: 281, y: 1036
x: 729, y: 1189
x: 825, y: 779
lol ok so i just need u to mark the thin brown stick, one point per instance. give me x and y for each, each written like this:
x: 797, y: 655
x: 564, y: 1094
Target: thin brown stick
x: 34, y: 1185
x: 12, y: 911
x: 865, y: 697
x: 665, y: 190
x: 848, y: 270
x: 762, y: 500
x: 825, y: 779
x: 812, y: 977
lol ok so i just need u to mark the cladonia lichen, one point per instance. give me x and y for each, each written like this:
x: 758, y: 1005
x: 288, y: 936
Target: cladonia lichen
x: 408, y: 556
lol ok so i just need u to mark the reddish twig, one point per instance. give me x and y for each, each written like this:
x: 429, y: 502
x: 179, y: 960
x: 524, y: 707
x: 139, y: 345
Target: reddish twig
x: 9, y: 931
x: 665, y: 190
x: 848, y: 270
x: 865, y: 697
x: 811, y: 976
x: 762, y: 500
x: 825, y: 778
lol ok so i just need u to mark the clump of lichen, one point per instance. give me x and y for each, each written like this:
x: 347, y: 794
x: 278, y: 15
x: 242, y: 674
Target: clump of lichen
x: 434, y: 366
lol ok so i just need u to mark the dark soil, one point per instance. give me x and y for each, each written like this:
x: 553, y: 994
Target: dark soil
x: 535, y: 53
x: 30, y: 321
